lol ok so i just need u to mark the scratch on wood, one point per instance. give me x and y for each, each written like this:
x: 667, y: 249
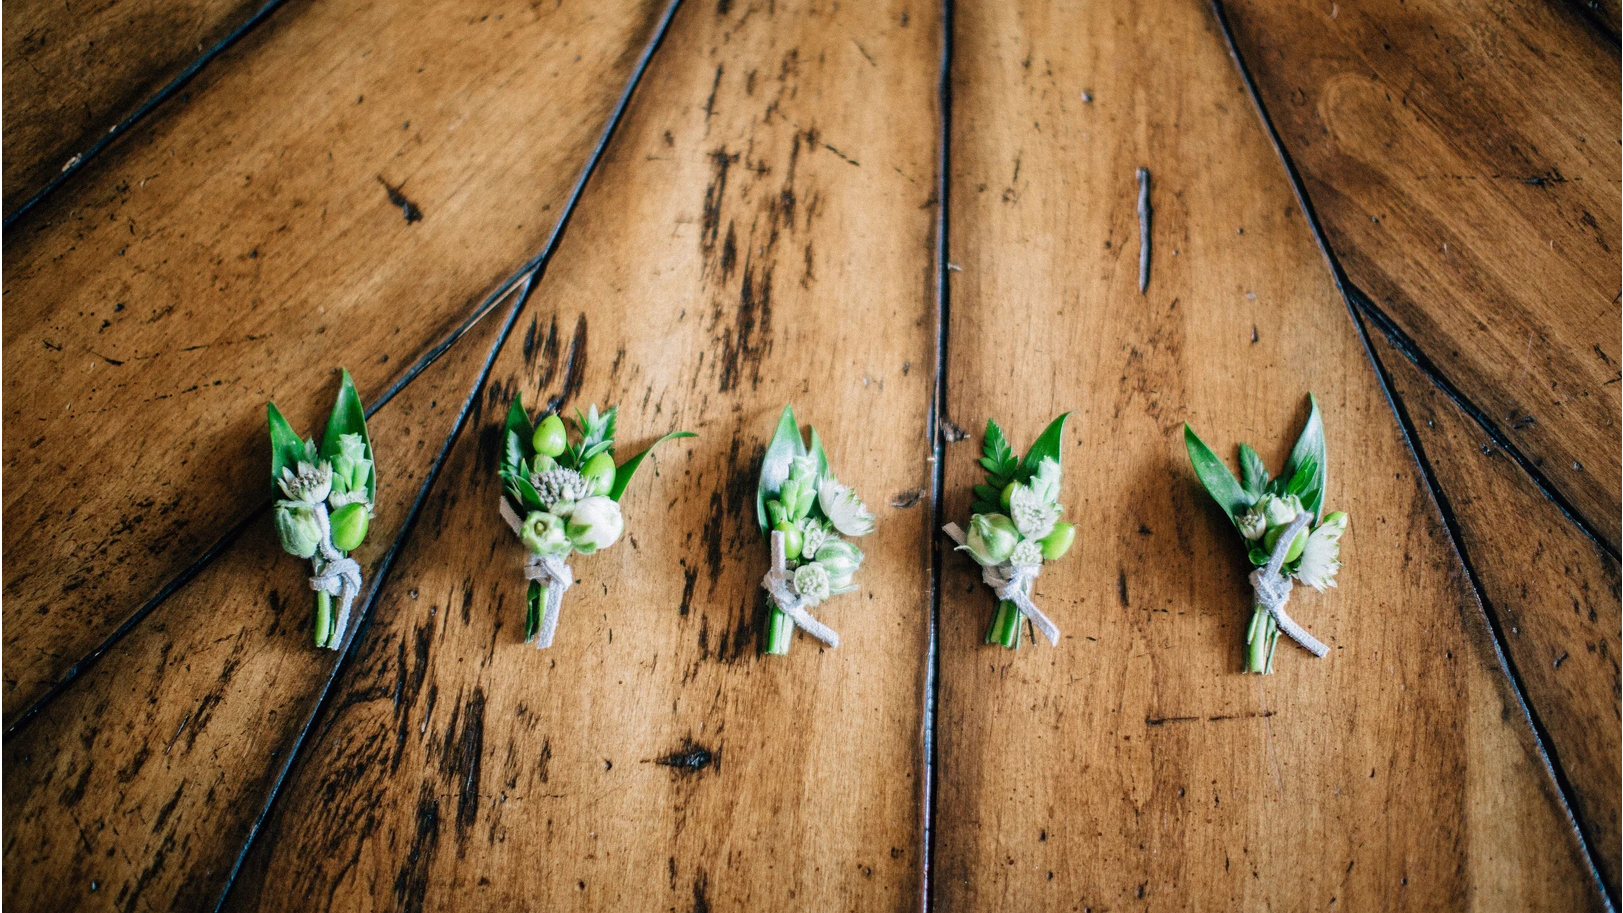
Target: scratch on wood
x: 1143, y: 229
x: 396, y: 198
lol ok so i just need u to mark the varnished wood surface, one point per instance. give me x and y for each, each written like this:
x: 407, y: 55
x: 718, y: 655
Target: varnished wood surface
x: 651, y: 758
x: 240, y: 246
x: 1463, y: 159
x: 72, y: 72
x: 763, y: 230
x: 1553, y: 590
x: 1131, y: 768
x: 137, y: 787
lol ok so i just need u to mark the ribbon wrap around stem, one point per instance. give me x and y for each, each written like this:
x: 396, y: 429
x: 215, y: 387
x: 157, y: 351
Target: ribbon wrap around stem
x: 1013, y: 583
x: 1274, y: 589
x: 779, y: 582
x: 553, y: 574
x: 337, y: 574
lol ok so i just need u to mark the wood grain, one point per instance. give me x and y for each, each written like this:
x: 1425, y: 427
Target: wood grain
x: 239, y: 246
x: 1463, y: 160
x: 73, y: 72
x: 1132, y: 767
x: 751, y: 238
x: 136, y: 788
x: 1553, y: 591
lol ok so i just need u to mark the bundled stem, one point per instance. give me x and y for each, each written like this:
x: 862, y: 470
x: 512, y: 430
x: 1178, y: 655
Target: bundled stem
x: 780, y: 630
x: 324, y: 620
x: 1260, y: 640
x: 1006, y: 625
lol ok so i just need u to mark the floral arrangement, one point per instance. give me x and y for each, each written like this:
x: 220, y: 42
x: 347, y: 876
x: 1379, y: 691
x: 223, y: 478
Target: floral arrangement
x: 1278, y: 520
x: 326, y: 504
x: 1015, y: 527
x: 562, y: 497
x: 804, y: 510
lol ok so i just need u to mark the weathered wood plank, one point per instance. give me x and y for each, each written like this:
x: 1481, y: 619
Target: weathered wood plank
x: 136, y: 788
x: 72, y: 73
x: 1463, y: 160
x: 1553, y: 590
x: 753, y: 237
x: 1132, y: 767
x: 241, y: 244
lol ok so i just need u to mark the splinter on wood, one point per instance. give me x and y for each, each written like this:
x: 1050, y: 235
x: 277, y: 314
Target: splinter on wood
x: 1143, y: 229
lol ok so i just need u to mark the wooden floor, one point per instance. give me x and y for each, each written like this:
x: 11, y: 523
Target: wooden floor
x: 904, y: 218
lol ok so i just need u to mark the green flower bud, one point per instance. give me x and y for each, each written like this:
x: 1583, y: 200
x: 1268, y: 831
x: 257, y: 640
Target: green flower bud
x: 793, y: 539
x: 599, y: 472
x: 297, y: 527
x: 543, y: 463
x: 1058, y: 542
x: 595, y: 524
x: 350, y: 467
x: 803, y: 469
x: 991, y: 538
x: 349, y: 526
x: 775, y: 513
x: 797, y: 497
x: 840, y: 558
x: 544, y: 534
x: 1272, y: 539
x: 550, y: 437
x: 1253, y: 524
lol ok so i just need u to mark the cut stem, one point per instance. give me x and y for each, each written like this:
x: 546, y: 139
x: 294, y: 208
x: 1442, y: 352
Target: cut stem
x: 1261, y: 637
x: 533, y: 599
x: 780, y: 630
x: 1006, y: 625
x: 323, y: 625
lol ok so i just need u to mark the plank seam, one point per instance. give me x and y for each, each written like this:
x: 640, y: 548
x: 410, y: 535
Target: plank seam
x: 147, y: 107
x: 539, y: 262
x: 1541, y: 741
x: 938, y: 406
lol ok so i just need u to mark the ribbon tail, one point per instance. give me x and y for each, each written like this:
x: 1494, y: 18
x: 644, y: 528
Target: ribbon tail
x: 955, y: 533
x: 1038, y: 620
x: 1296, y: 632
x: 812, y: 626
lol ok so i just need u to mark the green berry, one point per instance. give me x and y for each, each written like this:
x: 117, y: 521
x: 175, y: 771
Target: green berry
x: 349, y: 526
x: 793, y: 539
x: 550, y: 437
x: 1295, y: 551
x: 599, y: 471
x: 1008, y: 492
x: 1058, y: 542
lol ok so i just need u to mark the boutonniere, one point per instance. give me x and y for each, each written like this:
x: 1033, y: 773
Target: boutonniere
x: 562, y: 497
x: 1278, y: 519
x: 326, y: 502
x: 1015, y: 527
x: 803, y: 510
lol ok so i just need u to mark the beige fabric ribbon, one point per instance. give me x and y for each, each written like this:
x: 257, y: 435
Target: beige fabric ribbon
x: 336, y: 573
x: 779, y: 582
x: 1013, y: 582
x: 554, y: 575
x: 1274, y: 590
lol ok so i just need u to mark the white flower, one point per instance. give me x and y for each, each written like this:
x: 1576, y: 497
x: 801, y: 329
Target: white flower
x: 812, y: 583
x: 310, y: 483
x: 813, y: 535
x: 1045, y: 484
x: 1279, y: 511
x: 1032, y: 516
x: 1253, y: 524
x: 844, y: 509
x: 595, y: 524
x: 1027, y: 553
x: 1321, y: 557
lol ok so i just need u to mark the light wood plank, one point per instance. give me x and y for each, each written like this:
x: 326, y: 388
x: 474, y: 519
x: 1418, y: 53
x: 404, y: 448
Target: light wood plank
x: 1463, y: 160
x: 239, y: 246
x: 72, y: 72
x: 1554, y: 591
x: 1132, y: 767
x: 753, y: 237
x: 135, y: 789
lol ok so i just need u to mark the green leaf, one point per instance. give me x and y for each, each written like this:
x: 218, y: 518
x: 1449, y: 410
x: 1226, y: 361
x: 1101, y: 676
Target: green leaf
x: 1306, y: 476
x: 785, y: 444
x: 1047, y: 446
x: 516, y: 456
x: 988, y: 493
x: 528, y: 497
x: 348, y: 417
x: 1309, y: 446
x: 817, y: 452
x: 984, y: 507
x: 624, y: 472
x: 1253, y: 472
x: 287, y: 448
x: 1217, y: 478
x: 518, y: 422
x: 998, y: 456
x: 594, y: 450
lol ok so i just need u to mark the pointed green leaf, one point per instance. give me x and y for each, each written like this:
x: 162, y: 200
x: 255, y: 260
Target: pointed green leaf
x: 516, y: 455
x: 624, y: 472
x: 518, y: 422
x: 1310, y: 446
x: 287, y: 448
x: 785, y: 444
x: 817, y: 452
x: 1253, y: 472
x: 1219, y: 481
x: 348, y: 417
x: 1048, y: 445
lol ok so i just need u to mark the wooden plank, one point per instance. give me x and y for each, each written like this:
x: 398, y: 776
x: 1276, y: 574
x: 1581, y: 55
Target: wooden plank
x: 1132, y: 767
x: 1552, y: 589
x: 242, y: 244
x: 1463, y: 161
x: 136, y: 788
x: 753, y: 237
x: 73, y: 73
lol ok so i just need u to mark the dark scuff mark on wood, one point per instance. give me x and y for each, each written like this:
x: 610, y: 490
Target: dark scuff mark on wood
x: 1144, y: 213
x: 689, y: 759
x: 411, y: 884
x: 574, y: 367
x: 951, y: 433
x: 907, y: 499
x: 462, y: 762
x: 396, y: 198
x: 700, y: 884
x: 1163, y: 720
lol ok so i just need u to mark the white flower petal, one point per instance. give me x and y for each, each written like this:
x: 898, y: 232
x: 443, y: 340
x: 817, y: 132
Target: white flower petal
x: 1321, y: 557
x: 844, y: 509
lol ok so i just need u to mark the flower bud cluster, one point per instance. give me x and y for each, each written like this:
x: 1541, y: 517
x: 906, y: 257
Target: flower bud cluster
x: 823, y: 563
x: 1029, y: 531
x: 339, y: 486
